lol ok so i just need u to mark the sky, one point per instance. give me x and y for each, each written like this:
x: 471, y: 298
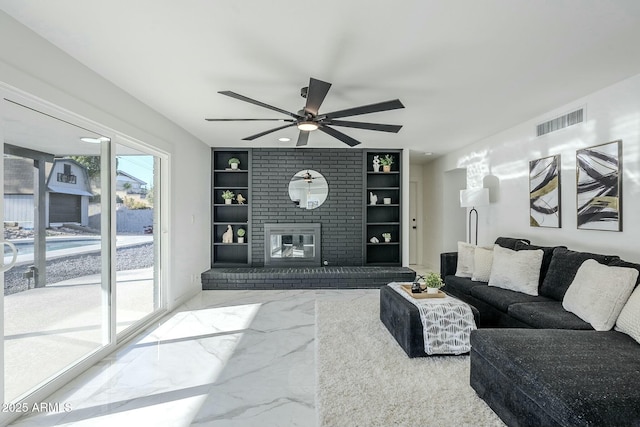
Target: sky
x: 139, y: 166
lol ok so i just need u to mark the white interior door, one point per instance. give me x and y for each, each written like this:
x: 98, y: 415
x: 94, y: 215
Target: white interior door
x: 413, y: 226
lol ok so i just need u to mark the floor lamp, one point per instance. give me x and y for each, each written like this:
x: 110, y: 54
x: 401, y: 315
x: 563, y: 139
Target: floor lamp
x: 470, y: 198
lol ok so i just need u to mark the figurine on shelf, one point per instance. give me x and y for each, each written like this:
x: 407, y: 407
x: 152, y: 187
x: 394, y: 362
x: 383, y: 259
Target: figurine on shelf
x: 374, y: 239
x: 373, y: 198
x: 227, y: 236
x: 240, y: 199
x: 376, y: 163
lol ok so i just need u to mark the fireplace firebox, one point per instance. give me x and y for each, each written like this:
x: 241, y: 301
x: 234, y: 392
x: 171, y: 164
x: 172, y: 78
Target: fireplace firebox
x: 292, y: 245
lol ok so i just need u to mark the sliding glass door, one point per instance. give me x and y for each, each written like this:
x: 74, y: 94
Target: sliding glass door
x: 82, y: 212
x: 137, y: 241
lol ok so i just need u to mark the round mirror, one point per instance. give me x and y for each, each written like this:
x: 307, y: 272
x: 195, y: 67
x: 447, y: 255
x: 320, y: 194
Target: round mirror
x: 308, y: 189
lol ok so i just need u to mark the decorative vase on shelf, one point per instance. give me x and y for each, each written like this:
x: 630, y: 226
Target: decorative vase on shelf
x: 373, y: 198
x: 386, y: 168
x: 240, y: 239
x: 227, y: 201
x: 376, y: 164
x: 387, y: 200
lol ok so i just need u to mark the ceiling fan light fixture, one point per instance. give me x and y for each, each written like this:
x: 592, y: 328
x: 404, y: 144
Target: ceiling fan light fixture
x: 307, y: 126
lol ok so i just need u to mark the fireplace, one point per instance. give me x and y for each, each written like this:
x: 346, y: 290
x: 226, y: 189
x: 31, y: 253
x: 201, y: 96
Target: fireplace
x: 292, y: 245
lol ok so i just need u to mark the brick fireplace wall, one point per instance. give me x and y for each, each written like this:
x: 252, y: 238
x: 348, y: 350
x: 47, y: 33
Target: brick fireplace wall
x: 341, y: 215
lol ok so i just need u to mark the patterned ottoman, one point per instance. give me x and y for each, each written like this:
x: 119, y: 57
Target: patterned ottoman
x: 449, y: 322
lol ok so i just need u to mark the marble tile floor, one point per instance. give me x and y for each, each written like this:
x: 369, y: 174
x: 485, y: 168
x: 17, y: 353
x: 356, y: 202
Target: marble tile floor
x: 225, y: 358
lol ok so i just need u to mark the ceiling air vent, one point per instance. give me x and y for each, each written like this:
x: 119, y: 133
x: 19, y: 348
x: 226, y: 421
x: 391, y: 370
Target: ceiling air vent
x: 561, y: 122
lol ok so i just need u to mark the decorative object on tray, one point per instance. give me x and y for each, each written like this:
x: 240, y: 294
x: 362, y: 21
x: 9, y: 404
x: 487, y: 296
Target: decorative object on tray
x: 373, y: 198
x: 544, y: 192
x: 374, y: 239
x: 227, y: 236
x: 423, y: 295
x: 240, y: 199
x: 241, y: 232
x: 234, y: 162
x: 599, y: 187
x: 386, y: 163
x: 228, y: 196
x: 387, y: 237
x: 376, y: 164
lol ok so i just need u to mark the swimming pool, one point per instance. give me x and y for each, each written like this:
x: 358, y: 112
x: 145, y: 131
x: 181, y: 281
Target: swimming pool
x: 52, y: 245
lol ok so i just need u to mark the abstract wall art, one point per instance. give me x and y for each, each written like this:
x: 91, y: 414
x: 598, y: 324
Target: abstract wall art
x: 544, y: 192
x: 599, y: 187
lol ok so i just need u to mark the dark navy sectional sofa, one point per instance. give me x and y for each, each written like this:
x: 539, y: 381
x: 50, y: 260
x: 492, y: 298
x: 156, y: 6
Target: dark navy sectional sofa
x: 536, y: 364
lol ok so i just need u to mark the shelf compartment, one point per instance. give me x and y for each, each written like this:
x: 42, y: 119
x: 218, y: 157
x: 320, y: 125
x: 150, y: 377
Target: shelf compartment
x: 230, y: 253
x: 383, y: 254
x: 383, y: 214
x: 231, y: 179
x: 221, y: 159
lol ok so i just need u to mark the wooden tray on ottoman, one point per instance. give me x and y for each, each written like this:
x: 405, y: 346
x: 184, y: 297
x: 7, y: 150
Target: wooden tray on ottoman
x: 423, y: 295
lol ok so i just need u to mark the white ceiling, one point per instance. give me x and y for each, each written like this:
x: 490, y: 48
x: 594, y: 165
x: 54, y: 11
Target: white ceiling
x: 464, y: 69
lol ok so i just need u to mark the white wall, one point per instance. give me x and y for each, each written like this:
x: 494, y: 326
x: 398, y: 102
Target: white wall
x: 31, y: 64
x: 611, y: 113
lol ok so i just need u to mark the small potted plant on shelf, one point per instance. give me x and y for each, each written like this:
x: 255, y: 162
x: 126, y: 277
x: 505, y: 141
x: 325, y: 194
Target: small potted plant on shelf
x: 228, y: 196
x: 387, y: 237
x: 386, y: 163
x: 433, y: 282
x: 241, y: 232
x: 234, y: 162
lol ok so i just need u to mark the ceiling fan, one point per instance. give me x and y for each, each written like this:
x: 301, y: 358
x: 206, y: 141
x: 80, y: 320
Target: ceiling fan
x: 309, y: 118
x: 307, y: 177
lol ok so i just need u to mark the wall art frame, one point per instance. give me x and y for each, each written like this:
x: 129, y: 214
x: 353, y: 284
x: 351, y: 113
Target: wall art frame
x: 545, y: 192
x: 599, y: 187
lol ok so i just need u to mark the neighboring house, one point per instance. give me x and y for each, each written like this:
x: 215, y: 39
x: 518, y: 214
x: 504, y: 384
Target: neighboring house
x: 66, y: 197
x: 129, y: 184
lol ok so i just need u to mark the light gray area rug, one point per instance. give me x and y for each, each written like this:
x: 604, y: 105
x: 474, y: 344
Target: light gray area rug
x: 366, y: 379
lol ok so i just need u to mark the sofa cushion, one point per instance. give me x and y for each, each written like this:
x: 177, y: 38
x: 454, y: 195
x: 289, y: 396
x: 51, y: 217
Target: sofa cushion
x: 562, y: 269
x: 598, y: 293
x: 482, y: 261
x: 460, y: 285
x: 546, y: 257
x: 517, y: 271
x: 509, y: 242
x: 629, y: 319
x: 579, y: 378
x: 465, y: 260
x: 547, y: 315
x: 502, y: 298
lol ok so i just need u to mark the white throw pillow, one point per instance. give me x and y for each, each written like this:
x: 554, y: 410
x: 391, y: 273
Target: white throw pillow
x: 482, y: 260
x: 465, y: 260
x: 598, y: 293
x: 516, y: 270
x: 629, y: 320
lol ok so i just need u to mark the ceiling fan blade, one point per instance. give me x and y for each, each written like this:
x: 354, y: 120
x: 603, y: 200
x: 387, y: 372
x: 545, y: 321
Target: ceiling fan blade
x: 339, y: 135
x: 368, y: 126
x: 365, y: 109
x: 249, y: 120
x: 315, y: 95
x: 266, y: 132
x: 303, y: 138
x: 261, y: 104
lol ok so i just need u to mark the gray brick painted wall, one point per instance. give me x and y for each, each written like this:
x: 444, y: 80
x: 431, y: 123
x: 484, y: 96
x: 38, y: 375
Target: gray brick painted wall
x: 341, y: 214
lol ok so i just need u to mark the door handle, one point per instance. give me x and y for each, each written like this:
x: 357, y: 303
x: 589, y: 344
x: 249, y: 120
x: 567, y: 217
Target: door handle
x: 10, y: 265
